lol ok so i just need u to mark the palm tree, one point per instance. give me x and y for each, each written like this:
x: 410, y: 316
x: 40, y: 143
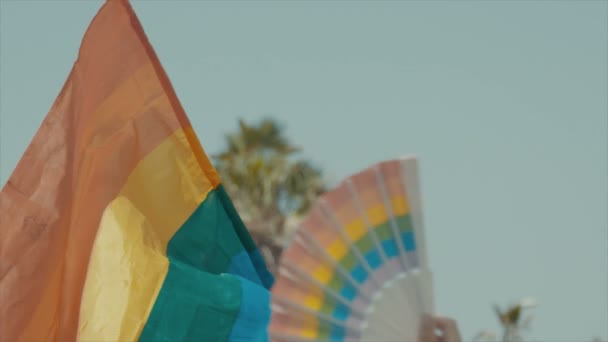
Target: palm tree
x: 511, y: 321
x: 268, y: 185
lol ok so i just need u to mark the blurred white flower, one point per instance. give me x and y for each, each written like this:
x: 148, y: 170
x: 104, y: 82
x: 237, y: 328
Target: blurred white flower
x: 528, y: 302
x: 485, y: 336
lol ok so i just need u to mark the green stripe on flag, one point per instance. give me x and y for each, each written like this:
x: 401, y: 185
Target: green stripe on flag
x: 193, y: 305
x: 207, y: 240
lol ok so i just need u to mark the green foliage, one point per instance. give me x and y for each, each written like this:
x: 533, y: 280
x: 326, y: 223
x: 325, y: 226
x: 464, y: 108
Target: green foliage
x: 266, y: 181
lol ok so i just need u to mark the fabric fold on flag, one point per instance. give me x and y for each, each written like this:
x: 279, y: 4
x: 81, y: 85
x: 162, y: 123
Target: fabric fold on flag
x: 114, y: 226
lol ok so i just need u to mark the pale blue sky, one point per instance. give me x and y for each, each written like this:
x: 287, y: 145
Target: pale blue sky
x: 504, y: 102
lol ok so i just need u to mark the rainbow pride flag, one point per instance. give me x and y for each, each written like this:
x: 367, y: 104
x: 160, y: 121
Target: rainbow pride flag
x: 114, y: 226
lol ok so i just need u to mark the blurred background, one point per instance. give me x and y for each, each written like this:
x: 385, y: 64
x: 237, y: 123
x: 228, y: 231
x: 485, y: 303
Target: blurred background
x: 504, y: 102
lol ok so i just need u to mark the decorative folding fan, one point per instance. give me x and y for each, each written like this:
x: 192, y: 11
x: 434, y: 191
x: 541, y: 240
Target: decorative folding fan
x: 357, y: 268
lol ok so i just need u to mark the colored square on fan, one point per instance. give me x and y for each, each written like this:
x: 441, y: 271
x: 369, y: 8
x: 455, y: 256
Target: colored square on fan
x: 359, y: 274
x: 408, y: 241
x: 337, y: 333
x: 373, y: 259
x: 314, y: 301
x: 365, y: 244
x: 390, y: 248
x: 336, y: 283
x: 341, y: 312
x: 384, y: 231
x: 337, y: 249
x: 348, y: 292
x: 349, y: 261
x: 323, y: 273
x: 356, y: 229
x: 308, y: 332
x: 404, y: 223
x: 377, y: 215
x: 334, y: 333
x: 328, y: 307
x: 400, y: 206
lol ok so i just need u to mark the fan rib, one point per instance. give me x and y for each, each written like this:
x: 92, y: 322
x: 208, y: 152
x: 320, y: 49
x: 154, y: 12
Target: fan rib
x: 394, y: 227
x: 392, y: 221
x: 412, y: 189
x: 370, y: 230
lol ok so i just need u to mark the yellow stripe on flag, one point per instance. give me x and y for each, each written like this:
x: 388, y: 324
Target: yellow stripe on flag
x: 128, y: 263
